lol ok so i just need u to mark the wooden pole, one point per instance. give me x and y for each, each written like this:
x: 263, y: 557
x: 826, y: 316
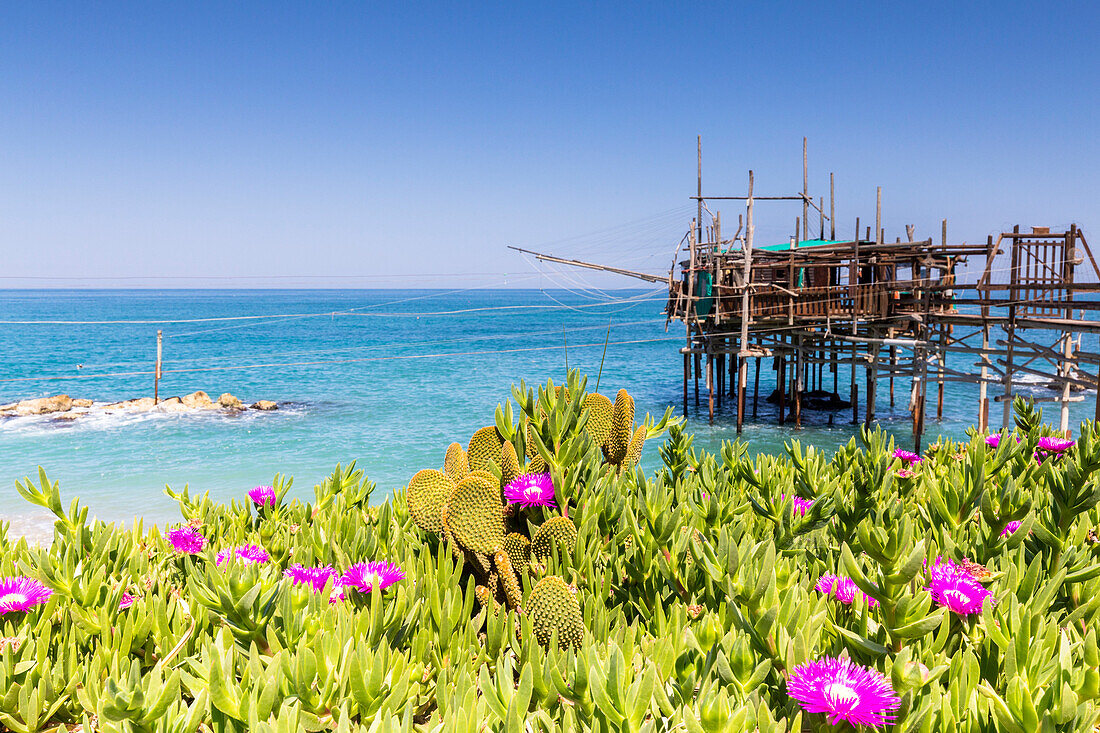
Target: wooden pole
x: 832, y: 210
x: 687, y: 374
x: 742, y: 350
x: 698, y: 369
x: 805, y: 193
x: 799, y: 369
x: 878, y: 215
x: 983, y: 386
x: 756, y: 390
x: 872, y: 380
x: 781, y: 383
x: 942, y: 360
x: 893, y: 368
x: 1014, y: 295
x: 853, y: 284
x: 156, y: 378
x: 710, y: 383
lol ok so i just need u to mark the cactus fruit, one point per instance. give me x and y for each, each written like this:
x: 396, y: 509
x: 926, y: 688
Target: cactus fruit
x: 509, y: 464
x: 428, y: 491
x: 474, y: 514
x: 622, y: 424
x: 634, y: 449
x: 508, y: 581
x: 455, y: 463
x: 485, y: 446
x: 553, y: 607
x: 600, y: 415
x: 554, y: 530
x: 518, y: 548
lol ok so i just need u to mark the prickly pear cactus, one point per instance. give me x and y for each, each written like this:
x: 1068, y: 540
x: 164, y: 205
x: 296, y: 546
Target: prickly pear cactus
x: 509, y: 465
x: 600, y: 415
x: 634, y: 449
x: 553, y: 607
x: 518, y: 548
x: 622, y: 424
x: 474, y: 515
x: 485, y: 446
x: 555, y: 530
x: 455, y: 463
x: 428, y: 491
x: 508, y: 581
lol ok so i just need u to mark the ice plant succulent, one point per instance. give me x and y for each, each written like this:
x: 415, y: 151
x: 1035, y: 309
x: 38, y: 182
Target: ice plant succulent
x: 994, y: 440
x: 19, y: 593
x: 126, y: 601
x: 841, y: 588
x: 262, y: 496
x: 1010, y: 528
x: 907, y: 456
x: 843, y: 690
x: 953, y: 586
x: 247, y: 554
x: 531, y: 489
x: 315, y: 577
x: 364, y: 576
x: 186, y: 540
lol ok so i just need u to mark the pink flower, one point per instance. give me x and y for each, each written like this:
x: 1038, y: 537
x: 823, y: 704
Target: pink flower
x: 952, y: 586
x: 126, y: 601
x: 845, y: 691
x: 531, y: 489
x: 801, y: 506
x: 364, y: 576
x: 907, y: 456
x: 315, y: 577
x: 186, y: 541
x: 19, y: 593
x: 905, y: 473
x: 1055, y: 445
x: 841, y: 588
x: 247, y: 554
x: 262, y: 496
x: 993, y: 440
x: 1010, y: 528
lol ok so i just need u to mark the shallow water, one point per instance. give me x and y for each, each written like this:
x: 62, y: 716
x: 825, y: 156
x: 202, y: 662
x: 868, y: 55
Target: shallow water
x: 384, y: 377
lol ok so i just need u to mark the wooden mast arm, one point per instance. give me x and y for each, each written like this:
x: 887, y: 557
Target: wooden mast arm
x: 591, y: 266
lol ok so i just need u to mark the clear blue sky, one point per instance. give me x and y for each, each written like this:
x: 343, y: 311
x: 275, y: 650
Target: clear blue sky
x: 321, y: 139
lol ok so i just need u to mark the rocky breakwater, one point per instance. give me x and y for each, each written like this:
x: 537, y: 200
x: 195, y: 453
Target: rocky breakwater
x: 64, y: 407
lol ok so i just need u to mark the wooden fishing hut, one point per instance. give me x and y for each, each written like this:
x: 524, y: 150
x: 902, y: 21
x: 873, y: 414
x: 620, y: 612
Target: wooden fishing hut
x: 812, y: 307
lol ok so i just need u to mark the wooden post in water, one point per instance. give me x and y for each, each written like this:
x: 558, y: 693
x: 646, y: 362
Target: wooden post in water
x: 942, y: 361
x: 805, y: 194
x: 156, y: 377
x: 756, y: 390
x: 872, y: 380
x: 710, y: 383
x: 853, y: 285
x: 1014, y: 296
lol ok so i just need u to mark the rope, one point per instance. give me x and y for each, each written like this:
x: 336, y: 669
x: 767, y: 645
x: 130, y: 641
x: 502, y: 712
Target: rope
x: 339, y: 361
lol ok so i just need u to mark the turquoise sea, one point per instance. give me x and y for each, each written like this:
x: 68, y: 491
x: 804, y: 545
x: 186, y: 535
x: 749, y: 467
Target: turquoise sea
x: 387, y: 378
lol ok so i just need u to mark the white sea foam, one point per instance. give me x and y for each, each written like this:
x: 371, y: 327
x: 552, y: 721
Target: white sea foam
x: 96, y: 418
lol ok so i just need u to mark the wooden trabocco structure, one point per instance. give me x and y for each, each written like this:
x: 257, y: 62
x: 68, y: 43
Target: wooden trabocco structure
x: 814, y: 307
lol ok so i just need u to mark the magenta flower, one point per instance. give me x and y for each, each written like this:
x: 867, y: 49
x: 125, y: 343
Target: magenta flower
x: 801, y: 506
x: 905, y: 473
x: 19, y: 593
x: 952, y: 586
x: 337, y: 593
x: 1055, y: 445
x: 841, y: 588
x: 907, y: 456
x: 1010, y: 528
x: 531, y: 489
x: 126, y: 601
x: 247, y: 554
x: 994, y: 440
x: 262, y: 496
x: 843, y: 690
x: 186, y: 541
x: 364, y: 576
x: 315, y: 577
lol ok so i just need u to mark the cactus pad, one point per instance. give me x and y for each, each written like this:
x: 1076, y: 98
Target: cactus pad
x: 485, y: 446
x: 622, y: 424
x: 508, y: 581
x: 600, y: 415
x: 634, y: 449
x: 509, y: 464
x: 553, y: 607
x: 554, y: 530
x: 475, y: 516
x: 485, y: 597
x: 428, y: 491
x: 455, y: 463
x: 518, y: 548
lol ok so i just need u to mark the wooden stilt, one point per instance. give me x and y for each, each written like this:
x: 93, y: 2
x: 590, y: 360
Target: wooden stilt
x: 710, y: 384
x: 799, y: 369
x: 893, y: 368
x: 872, y: 383
x: 698, y: 368
x: 687, y: 371
x: 756, y: 390
x: 781, y: 384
